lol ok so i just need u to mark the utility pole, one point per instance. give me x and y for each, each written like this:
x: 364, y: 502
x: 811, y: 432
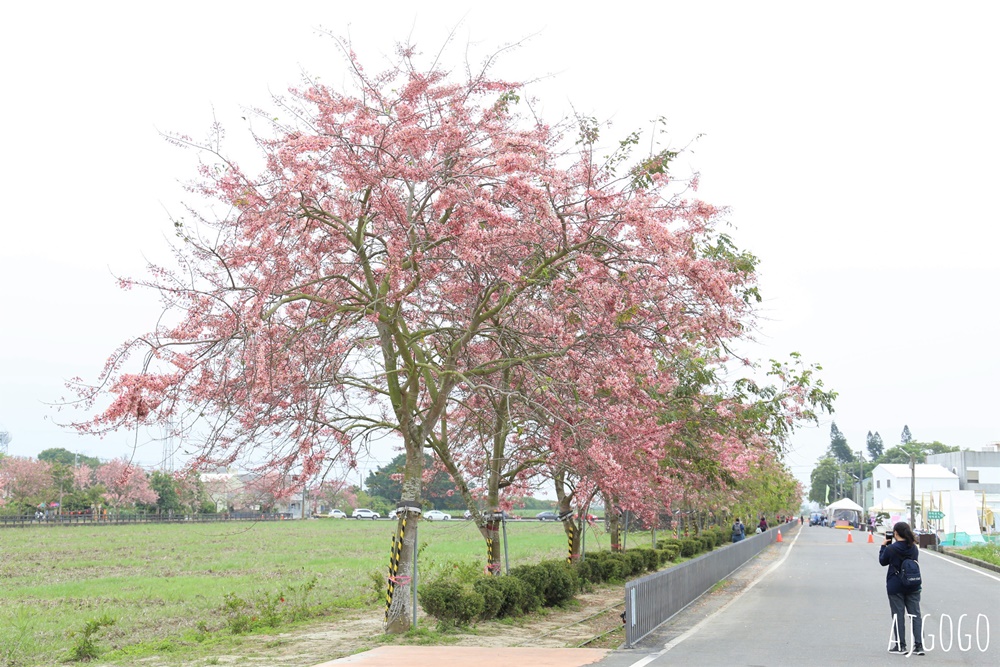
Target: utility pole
x: 861, y: 479
x: 913, y: 490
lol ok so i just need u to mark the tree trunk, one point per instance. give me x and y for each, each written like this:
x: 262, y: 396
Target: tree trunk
x: 614, y: 529
x: 613, y: 519
x: 571, y: 527
x: 401, y: 556
x: 490, y: 530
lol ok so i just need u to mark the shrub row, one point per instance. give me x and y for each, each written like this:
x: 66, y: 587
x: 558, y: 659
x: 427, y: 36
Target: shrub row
x: 454, y: 600
x: 709, y: 539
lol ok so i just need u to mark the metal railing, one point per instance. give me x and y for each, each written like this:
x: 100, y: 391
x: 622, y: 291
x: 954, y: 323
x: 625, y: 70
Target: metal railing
x: 89, y: 519
x: 655, y: 598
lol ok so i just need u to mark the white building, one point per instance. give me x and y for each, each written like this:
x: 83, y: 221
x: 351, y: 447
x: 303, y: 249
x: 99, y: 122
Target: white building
x: 892, y: 481
x: 223, y: 488
x: 977, y: 471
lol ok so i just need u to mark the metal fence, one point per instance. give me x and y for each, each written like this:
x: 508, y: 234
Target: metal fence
x: 655, y: 598
x: 53, y: 520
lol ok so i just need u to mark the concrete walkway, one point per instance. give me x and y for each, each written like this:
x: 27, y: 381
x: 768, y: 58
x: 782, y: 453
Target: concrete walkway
x: 466, y: 656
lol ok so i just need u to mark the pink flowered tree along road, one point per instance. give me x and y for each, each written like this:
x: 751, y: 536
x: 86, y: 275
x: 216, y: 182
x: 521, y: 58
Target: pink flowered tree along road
x: 424, y: 256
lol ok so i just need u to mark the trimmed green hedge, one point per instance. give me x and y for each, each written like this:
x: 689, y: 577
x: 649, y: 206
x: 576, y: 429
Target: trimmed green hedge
x: 451, y: 602
x: 551, y: 583
x: 671, y: 552
x: 503, y: 597
x: 689, y: 547
x: 668, y: 542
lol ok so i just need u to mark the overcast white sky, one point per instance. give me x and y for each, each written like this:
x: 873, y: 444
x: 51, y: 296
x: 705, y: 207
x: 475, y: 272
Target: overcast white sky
x: 856, y: 143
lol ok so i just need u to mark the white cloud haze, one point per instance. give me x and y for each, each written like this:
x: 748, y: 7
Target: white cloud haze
x: 855, y: 143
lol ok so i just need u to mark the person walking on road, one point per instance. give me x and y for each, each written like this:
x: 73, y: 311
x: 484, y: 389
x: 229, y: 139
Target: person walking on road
x: 902, y: 603
x: 762, y: 526
x: 739, y: 531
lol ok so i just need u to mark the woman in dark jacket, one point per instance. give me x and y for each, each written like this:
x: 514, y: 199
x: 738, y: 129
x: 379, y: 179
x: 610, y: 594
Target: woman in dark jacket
x: 902, y: 603
x: 739, y: 532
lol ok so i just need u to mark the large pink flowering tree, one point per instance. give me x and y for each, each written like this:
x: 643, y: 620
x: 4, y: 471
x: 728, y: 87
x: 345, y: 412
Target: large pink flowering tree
x: 25, y: 481
x: 410, y: 251
x: 125, y: 484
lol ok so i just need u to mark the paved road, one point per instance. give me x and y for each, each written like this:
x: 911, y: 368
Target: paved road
x: 812, y: 600
x: 817, y: 600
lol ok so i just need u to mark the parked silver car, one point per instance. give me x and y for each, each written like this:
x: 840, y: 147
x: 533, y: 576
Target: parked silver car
x: 363, y: 513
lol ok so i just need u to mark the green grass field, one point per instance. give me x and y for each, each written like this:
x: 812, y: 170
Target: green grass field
x: 176, y: 588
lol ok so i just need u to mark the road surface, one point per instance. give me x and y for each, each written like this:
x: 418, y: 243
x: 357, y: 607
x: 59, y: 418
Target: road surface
x: 816, y: 599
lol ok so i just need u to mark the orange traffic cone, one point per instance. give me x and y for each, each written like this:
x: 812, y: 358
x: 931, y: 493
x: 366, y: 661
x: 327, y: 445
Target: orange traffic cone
x: 871, y: 540
x: 779, y: 536
x: 849, y: 538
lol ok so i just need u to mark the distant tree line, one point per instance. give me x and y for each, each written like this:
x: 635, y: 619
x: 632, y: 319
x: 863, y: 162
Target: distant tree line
x: 61, y: 481
x: 840, y: 467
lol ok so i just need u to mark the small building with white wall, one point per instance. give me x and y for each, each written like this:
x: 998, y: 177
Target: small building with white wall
x: 979, y: 472
x: 976, y: 470
x: 893, y: 479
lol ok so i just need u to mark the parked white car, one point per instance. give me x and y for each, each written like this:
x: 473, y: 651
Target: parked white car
x: 336, y: 514
x: 363, y: 513
x: 437, y: 515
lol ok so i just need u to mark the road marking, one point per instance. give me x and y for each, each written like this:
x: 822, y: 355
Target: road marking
x: 954, y: 561
x: 677, y: 640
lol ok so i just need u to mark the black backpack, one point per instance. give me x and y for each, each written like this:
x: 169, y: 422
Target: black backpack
x: 909, y: 575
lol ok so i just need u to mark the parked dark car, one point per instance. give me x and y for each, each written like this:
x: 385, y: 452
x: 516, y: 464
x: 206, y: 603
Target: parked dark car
x: 547, y: 516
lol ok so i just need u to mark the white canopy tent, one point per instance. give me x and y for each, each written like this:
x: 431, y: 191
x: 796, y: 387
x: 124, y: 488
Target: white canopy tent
x: 845, y: 513
x: 845, y: 504
x: 894, y: 509
x: 889, y: 505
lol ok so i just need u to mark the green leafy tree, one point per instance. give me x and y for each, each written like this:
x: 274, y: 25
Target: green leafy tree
x: 381, y: 505
x: 874, y: 445
x: 935, y: 447
x: 384, y: 482
x: 439, y: 491
x: 166, y: 492
x: 824, y: 476
x: 769, y: 489
x: 62, y: 481
x: 900, y: 454
x: 67, y: 458
x: 920, y: 450
x: 906, y: 437
x: 839, y: 449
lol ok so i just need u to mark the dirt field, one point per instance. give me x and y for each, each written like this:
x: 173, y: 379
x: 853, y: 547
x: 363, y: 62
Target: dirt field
x: 557, y: 628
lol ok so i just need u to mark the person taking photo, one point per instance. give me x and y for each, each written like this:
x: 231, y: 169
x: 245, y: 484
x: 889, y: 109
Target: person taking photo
x: 904, y: 601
